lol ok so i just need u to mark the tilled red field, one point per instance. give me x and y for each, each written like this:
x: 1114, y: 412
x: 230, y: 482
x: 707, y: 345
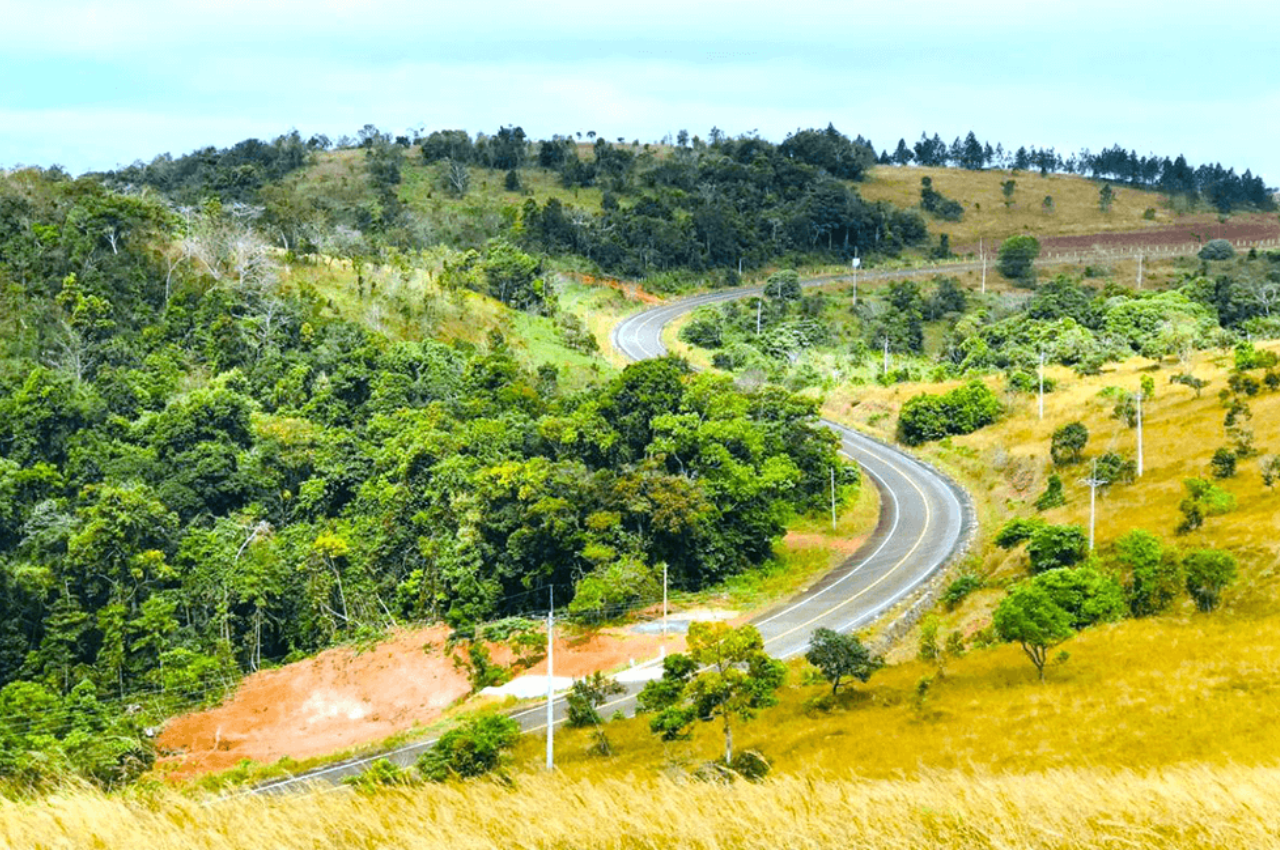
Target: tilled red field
x: 1246, y: 230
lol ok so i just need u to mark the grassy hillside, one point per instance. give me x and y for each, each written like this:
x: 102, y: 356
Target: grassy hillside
x: 1075, y: 203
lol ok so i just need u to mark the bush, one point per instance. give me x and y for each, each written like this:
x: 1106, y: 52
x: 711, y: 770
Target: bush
x: 476, y: 747
x: 1067, y: 446
x: 961, y: 411
x: 1269, y: 467
x: 1115, y: 468
x: 1020, y: 381
x: 1017, y: 530
x: 1153, y: 574
x: 1223, y: 463
x: 705, y: 328
x: 1247, y: 356
x: 1217, y: 249
x: 1053, y: 495
x: 1086, y: 594
x: 1016, y: 257
x: 1208, y: 572
x: 1052, y: 547
x: 959, y: 589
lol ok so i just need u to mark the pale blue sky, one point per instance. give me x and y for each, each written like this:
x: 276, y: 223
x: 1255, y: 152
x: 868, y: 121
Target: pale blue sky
x: 90, y: 84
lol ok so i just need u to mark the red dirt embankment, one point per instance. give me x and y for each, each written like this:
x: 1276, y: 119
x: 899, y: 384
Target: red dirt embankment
x: 1251, y: 228
x: 343, y: 698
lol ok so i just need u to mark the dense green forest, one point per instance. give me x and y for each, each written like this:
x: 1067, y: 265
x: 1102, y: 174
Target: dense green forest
x: 202, y: 472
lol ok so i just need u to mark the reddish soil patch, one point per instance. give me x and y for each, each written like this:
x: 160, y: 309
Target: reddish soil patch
x: 1240, y: 230
x: 633, y: 291
x: 343, y: 698
x: 1243, y: 229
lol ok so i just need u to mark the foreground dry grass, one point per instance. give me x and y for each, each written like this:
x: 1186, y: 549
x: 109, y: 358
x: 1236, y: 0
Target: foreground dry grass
x: 1191, y: 807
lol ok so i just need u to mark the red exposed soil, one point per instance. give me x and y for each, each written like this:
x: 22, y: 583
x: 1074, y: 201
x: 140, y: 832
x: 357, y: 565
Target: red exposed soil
x: 1246, y: 229
x: 632, y: 290
x: 343, y: 698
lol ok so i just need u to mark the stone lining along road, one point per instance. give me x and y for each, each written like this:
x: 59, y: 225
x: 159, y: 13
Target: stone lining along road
x: 925, y: 519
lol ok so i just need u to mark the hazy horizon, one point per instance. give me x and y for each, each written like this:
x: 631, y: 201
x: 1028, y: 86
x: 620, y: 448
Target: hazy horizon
x: 92, y: 85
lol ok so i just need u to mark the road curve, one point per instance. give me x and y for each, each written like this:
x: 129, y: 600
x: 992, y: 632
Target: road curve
x: 924, y: 520
x: 924, y: 516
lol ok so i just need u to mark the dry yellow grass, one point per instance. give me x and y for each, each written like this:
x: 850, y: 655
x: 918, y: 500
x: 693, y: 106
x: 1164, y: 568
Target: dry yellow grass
x: 1187, y: 807
x: 985, y: 215
x: 1006, y: 465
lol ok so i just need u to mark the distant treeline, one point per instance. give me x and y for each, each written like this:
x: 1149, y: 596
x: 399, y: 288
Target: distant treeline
x: 687, y: 205
x: 1219, y: 186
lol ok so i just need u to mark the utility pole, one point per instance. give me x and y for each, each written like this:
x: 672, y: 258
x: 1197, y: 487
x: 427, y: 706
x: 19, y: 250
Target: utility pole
x: 663, y: 649
x: 759, y: 306
x: 886, y: 358
x: 982, y: 253
x: 1041, y: 386
x: 1140, y: 271
x: 855, y: 262
x: 833, y: 498
x: 551, y: 718
x: 1094, y: 483
x: 1139, y: 432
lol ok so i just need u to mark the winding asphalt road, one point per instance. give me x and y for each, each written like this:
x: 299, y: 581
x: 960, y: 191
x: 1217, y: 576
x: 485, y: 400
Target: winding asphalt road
x: 924, y: 520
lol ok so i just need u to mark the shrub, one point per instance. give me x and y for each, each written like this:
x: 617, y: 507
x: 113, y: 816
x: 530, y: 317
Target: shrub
x: 960, y: 589
x: 1086, y: 594
x: 961, y: 411
x: 1054, y: 546
x: 1017, y: 530
x: 1208, y: 572
x: 839, y: 656
x: 476, y: 747
x: 1053, y: 495
x: 1153, y: 574
x: 1269, y: 467
x: 1115, y: 468
x: 1223, y: 463
x: 587, y: 695
x: 1020, y: 381
x: 1067, y: 446
x: 1247, y: 356
x: 705, y: 328
x: 1217, y: 249
x: 1017, y: 255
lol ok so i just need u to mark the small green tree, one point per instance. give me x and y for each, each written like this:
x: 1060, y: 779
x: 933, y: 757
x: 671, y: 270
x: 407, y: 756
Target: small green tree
x: 931, y: 648
x: 738, y: 678
x: 1017, y: 254
x: 1269, y: 468
x: 1208, y: 572
x: 1223, y: 463
x: 838, y: 656
x: 583, y: 701
x: 1217, y: 249
x: 1029, y: 616
x: 1152, y: 573
x: 783, y: 286
x: 586, y: 696
x: 1086, y: 594
x: 1052, y: 547
x: 1006, y: 189
x: 1067, y: 446
x: 477, y: 746
x: 1106, y: 196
